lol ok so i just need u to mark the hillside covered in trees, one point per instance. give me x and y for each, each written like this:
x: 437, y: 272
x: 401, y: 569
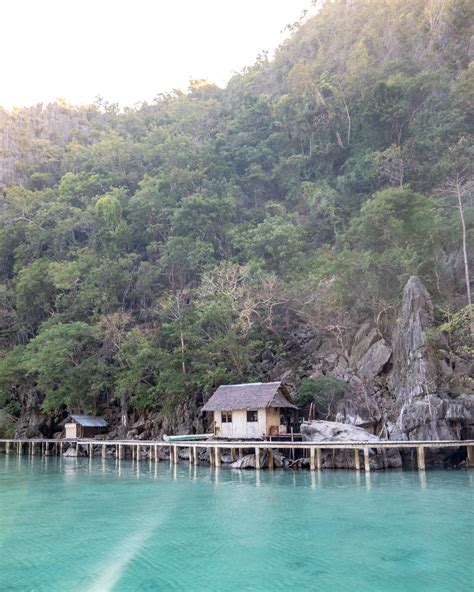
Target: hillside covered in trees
x: 149, y: 254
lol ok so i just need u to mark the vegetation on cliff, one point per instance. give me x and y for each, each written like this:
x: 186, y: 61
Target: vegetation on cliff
x: 149, y: 254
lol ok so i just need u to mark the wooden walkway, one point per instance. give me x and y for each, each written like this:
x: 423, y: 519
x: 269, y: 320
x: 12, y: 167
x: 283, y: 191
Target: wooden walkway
x: 118, y: 448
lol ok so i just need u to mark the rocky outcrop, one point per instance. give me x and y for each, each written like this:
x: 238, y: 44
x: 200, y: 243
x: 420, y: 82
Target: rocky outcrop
x: 332, y: 431
x: 402, y: 381
x: 426, y: 410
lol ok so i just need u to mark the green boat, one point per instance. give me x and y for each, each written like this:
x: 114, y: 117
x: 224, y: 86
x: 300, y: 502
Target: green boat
x: 187, y: 438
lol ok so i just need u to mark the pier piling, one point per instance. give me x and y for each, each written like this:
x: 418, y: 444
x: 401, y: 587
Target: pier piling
x: 257, y: 458
x: 470, y: 457
x: 312, y: 459
x: 366, y: 460
x: 357, y: 459
x: 420, y: 457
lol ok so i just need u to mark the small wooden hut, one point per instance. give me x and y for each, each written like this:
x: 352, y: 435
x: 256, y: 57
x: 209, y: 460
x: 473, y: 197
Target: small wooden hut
x: 85, y: 426
x: 252, y: 411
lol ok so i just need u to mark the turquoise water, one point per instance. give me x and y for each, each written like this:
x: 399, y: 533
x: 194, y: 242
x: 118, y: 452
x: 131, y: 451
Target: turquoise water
x: 79, y: 525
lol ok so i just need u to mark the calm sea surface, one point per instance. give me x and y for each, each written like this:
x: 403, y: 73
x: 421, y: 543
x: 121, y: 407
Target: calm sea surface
x: 79, y: 525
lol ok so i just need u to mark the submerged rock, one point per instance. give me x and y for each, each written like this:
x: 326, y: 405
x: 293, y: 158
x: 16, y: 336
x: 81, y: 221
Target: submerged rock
x: 73, y: 452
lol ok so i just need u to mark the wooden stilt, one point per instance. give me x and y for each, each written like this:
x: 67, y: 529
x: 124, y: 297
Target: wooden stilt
x: 104, y: 451
x: 233, y: 454
x: 420, y: 457
x: 195, y: 455
x: 312, y: 459
x: 176, y: 455
x: 157, y: 457
x: 241, y: 453
x: 217, y: 456
x: 470, y: 457
x: 7, y: 448
x: 257, y: 458
x: 18, y: 448
x: 270, y: 459
x: 318, y: 458
x: 366, y: 460
x: 190, y: 455
x: 357, y: 459
x: 61, y: 445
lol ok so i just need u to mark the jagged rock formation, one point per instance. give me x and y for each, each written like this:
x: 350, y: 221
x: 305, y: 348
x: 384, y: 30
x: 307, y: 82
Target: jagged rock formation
x: 400, y: 386
x: 425, y: 407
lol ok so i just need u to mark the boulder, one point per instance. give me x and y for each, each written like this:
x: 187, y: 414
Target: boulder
x: 333, y: 431
x: 373, y: 361
x: 74, y: 451
x: 246, y: 462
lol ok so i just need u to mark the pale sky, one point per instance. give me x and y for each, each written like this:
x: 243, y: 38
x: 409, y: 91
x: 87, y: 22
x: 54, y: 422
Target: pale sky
x: 128, y: 51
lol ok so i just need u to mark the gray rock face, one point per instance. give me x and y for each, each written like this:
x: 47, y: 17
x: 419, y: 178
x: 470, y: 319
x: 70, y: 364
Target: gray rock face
x: 414, y: 373
x: 374, y: 360
x: 357, y: 406
x: 426, y: 411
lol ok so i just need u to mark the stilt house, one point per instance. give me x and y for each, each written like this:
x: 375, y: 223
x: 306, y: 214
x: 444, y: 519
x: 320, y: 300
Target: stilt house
x: 85, y: 426
x: 252, y: 411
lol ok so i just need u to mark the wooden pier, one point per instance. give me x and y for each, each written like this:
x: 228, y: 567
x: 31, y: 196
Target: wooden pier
x: 118, y: 448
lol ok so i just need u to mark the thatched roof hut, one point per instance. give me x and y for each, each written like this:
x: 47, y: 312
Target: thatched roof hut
x: 250, y: 410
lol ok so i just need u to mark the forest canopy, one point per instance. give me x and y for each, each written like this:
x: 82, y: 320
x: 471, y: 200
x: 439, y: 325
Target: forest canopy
x: 152, y: 253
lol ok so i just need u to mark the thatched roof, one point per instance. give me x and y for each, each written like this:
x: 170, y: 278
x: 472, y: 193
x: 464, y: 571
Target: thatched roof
x: 249, y: 396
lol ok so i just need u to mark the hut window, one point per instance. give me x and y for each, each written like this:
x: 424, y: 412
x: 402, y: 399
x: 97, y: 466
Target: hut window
x: 226, y: 416
x: 252, y: 416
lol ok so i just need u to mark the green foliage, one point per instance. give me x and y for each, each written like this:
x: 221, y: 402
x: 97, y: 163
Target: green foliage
x: 322, y: 391
x: 63, y: 358
x: 149, y: 254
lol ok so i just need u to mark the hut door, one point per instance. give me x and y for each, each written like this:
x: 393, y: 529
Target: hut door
x: 252, y: 424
